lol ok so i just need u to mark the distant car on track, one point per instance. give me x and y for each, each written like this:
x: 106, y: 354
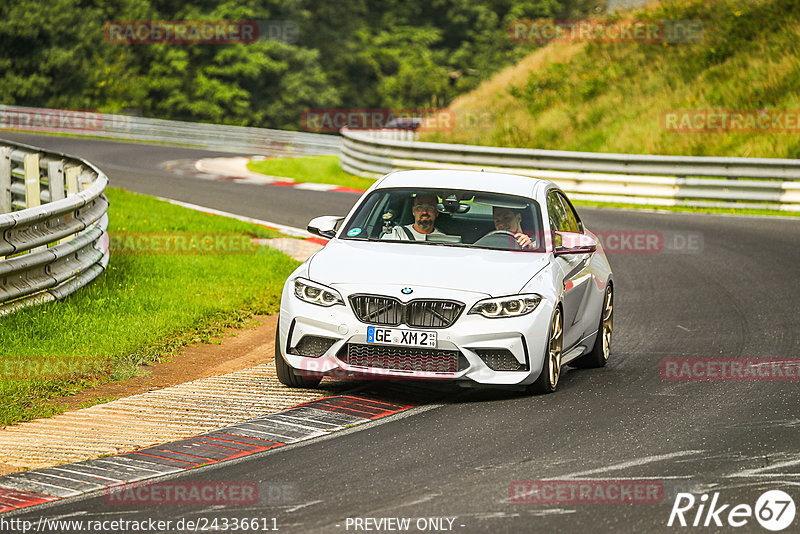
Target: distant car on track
x: 476, y: 300
x: 405, y: 123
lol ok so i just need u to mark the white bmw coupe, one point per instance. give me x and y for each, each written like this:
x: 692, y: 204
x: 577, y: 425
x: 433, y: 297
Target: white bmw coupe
x: 476, y: 277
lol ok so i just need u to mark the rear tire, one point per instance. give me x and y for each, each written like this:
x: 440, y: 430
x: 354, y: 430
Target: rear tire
x: 287, y: 375
x: 551, y: 367
x: 598, y: 357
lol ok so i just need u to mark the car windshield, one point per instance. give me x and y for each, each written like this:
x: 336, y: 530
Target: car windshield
x: 457, y: 218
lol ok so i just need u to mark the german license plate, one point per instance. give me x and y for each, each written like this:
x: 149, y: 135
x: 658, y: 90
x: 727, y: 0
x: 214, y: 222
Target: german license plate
x: 401, y: 336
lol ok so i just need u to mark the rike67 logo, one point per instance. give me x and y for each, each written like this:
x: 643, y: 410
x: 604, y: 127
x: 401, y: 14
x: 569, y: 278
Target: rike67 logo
x: 774, y: 510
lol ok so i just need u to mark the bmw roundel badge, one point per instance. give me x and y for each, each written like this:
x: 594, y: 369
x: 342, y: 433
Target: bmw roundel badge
x: 406, y: 291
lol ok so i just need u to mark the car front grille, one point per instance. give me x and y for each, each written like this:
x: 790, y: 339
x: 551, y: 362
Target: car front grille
x: 432, y: 313
x: 421, y: 313
x: 411, y: 359
x: 384, y: 311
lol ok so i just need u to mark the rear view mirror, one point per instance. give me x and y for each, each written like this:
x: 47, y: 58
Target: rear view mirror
x: 457, y: 208
x: 324, y: 226
x: 451, y: 204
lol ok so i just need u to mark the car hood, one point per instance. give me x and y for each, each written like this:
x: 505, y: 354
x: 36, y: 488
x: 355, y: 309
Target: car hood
x: 490, y: 272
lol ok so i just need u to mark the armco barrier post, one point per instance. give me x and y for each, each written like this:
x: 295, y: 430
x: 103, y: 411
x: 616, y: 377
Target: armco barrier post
x: 5, y: 182
x: 33, y: 191
x: 71, y: 179
x: 32, y: 180
x: 71, y: 176
x: 55, y: 179
x: 5, y: 179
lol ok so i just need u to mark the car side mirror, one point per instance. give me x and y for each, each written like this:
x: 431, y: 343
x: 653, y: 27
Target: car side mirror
x: 573, y: 243
x: 324, y: 226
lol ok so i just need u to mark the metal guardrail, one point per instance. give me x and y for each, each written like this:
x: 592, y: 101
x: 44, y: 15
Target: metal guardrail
x: 757, y: 183
x: 195, y: 134
x: 53, y: 223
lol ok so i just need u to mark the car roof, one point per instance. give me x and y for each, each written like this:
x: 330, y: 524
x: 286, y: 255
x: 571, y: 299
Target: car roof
x: 490, y: 182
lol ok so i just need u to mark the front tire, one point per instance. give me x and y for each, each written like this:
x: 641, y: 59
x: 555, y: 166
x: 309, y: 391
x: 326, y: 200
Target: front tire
x: 551, y: 368
x: 598, y: 357
x: 287, y: 375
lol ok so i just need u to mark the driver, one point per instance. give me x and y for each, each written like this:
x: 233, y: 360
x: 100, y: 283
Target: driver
x: 425, y: 212
x: 511, y: 221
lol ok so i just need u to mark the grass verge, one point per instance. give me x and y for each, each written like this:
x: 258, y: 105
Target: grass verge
x: 617, y: 96
x: 143, y: 308
x: 314, y: 169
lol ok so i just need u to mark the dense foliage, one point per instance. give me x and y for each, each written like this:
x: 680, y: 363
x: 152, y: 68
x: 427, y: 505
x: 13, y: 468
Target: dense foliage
x: 348, y: 53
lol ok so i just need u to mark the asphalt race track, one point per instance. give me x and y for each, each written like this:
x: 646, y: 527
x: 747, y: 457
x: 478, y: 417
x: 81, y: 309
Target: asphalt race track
x: 138, y: 167
x: 720, y: 287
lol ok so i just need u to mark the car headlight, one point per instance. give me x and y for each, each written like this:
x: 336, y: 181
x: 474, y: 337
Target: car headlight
x: 316, y: 293
x: 511, y: 306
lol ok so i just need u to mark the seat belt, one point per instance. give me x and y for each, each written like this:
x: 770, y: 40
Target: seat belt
x: 408, y: 233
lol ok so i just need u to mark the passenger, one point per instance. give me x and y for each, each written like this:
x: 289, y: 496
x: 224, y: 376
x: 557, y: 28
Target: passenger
x: 425, y: 213
x: 511, y: 221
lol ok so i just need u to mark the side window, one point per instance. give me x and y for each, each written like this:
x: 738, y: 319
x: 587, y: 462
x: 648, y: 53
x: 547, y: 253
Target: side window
x: 572, y: 220
x: 364, y: 218
x: 555, y: 210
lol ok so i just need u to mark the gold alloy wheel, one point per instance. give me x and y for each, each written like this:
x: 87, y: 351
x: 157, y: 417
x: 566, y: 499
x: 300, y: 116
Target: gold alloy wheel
x: 608, y: 322
x: 554, y: 349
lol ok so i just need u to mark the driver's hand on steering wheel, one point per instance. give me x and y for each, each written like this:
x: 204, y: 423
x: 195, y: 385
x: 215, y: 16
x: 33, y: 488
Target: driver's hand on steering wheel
x: 523, y: 240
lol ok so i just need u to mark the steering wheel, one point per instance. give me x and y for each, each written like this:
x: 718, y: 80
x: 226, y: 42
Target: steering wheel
x: 498, y: 239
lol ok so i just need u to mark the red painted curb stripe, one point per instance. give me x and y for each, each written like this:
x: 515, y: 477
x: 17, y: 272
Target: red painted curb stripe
x: 169, y: 461
x: 11, y: 499
x: 204, y: 459
x: 357, y: 406
x: 219, y: 445
x: 199, y: 449
x: 348, y: 190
